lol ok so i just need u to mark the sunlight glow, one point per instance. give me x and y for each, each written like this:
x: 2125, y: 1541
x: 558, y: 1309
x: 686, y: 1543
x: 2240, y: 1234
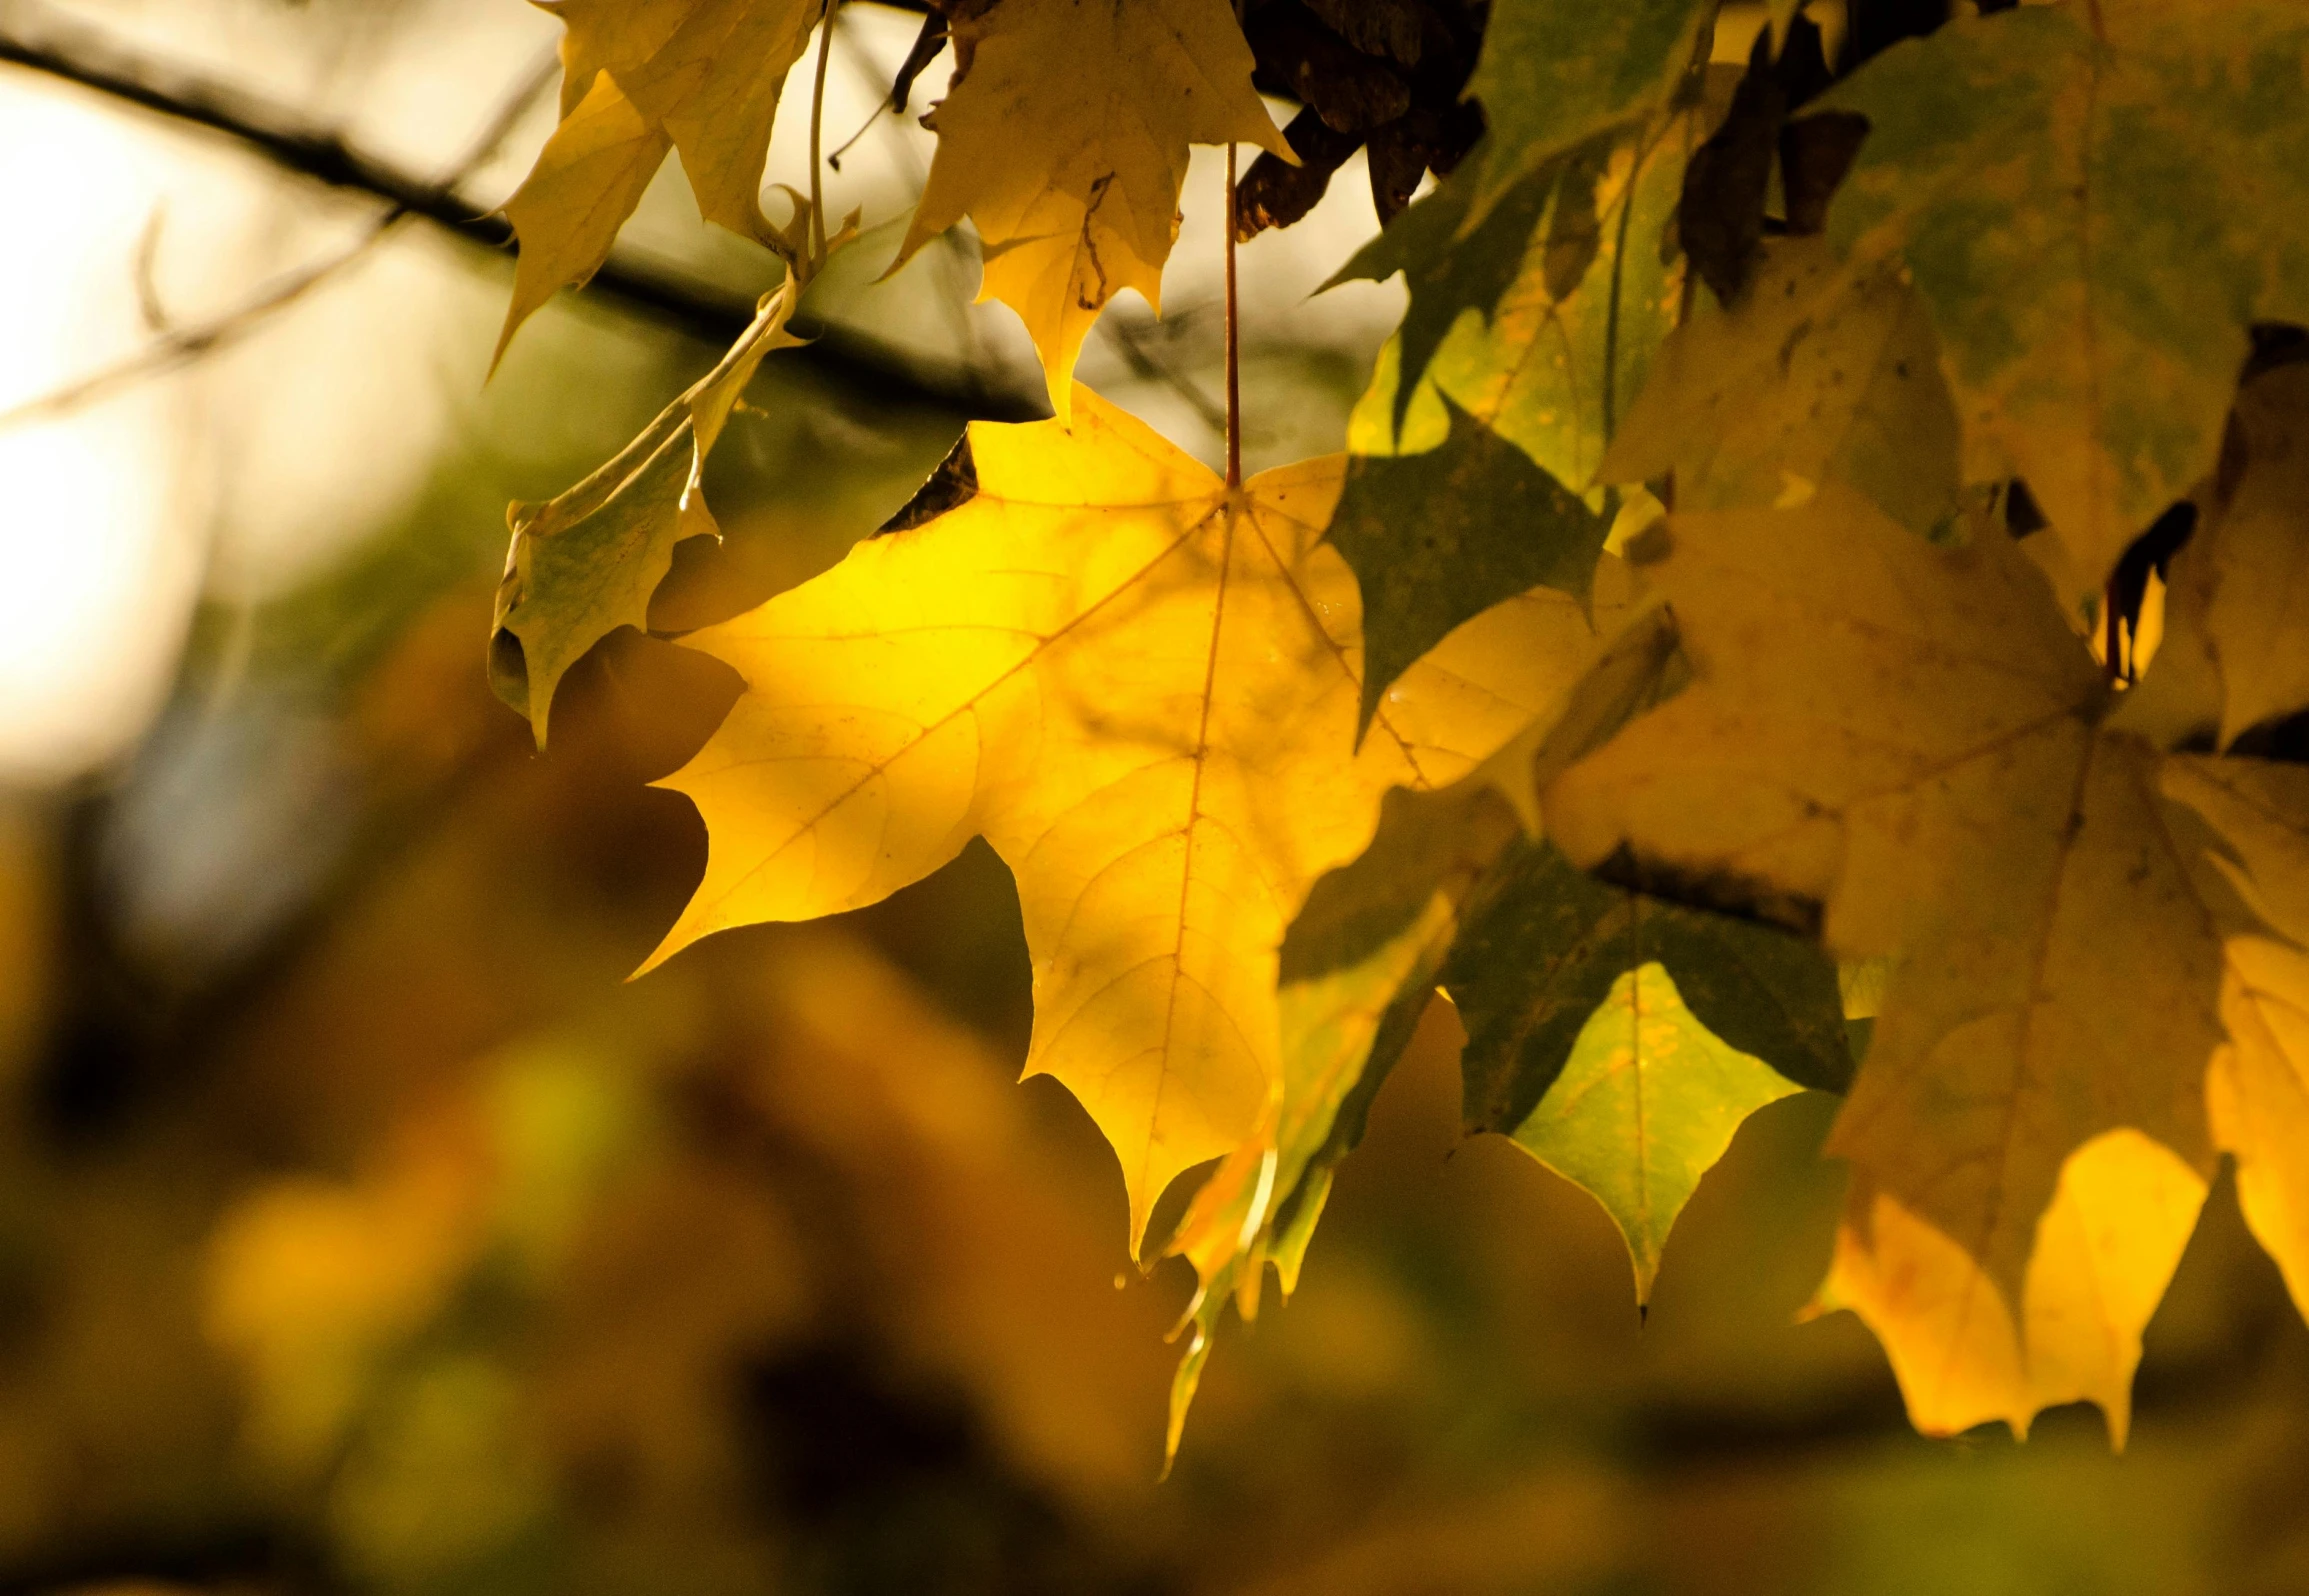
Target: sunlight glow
x: 91, y: 611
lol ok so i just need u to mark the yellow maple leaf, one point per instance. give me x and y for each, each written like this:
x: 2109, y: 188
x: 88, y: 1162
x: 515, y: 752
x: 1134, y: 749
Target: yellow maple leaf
x: 639, y: 78
x: 1908, y: 744
x: 2259, y: 1089
x: 566, y: 213
x: 2105, y: 1249
x: 1064, y: 138
x: 1141, y: 687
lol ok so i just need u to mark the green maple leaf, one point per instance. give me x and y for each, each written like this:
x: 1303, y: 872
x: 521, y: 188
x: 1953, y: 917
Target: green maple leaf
x: 1554, y: 73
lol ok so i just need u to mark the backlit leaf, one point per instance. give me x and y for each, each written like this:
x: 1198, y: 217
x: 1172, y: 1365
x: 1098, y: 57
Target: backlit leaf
x: 1357, y: 971
x: 1140, y: 686
x: 709, y: 73
x: 1064, y: 139
x: 2259, y: 581
x: 1550, y: 360
x: 2104, y: 1250
x: 587, y: 181
x: 2259, y: 1092
x: 640, y: 77
x: 1545, y: 944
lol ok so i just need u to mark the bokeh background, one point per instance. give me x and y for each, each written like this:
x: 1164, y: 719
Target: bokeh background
x: 362, y: 1230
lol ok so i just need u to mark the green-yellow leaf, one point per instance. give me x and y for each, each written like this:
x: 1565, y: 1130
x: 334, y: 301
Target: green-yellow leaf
x: 1645, y: 1105
x: 1522, y: 338
x: 1356, y: 973
x: 2091, y: 198
x: 1543, y: 953
x: 1906, y: 744
x: 1140, y: 686
x: 1554, y: 73
x: 586, y: 563
x: 1451, y: 261
x: 1550, y: 360
x: 1064, y: 138
x: 1542, y: 945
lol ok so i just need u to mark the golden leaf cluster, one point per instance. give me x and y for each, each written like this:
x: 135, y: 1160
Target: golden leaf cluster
x: 1853, y: 774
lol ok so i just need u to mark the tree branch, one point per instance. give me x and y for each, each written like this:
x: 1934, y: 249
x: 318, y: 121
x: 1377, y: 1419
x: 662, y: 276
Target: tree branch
x: 844, y: 356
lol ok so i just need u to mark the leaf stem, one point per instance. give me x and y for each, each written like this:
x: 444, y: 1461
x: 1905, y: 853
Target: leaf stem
x: 1234, y: 343
x: 817, y: 129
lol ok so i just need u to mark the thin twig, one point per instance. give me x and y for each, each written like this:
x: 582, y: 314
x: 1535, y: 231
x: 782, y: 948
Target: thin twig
x: 191, y: 343
x: 817, y: 134
x: 148, y: 302
x: 182, y: 345
x: 842, y: 355
x: 1234, y: 343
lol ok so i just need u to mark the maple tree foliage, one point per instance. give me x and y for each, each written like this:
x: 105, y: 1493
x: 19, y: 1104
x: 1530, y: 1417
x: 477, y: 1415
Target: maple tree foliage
x: 1811, y: 601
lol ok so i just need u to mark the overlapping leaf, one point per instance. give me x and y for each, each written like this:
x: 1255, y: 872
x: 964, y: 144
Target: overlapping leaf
x: 1818, y: 373
x: 2092, y: 200
x: 1622, y: 1040
x: 1542, y: 319
x: 1439, y: 537
x: 2259, y: 559
x: 1523, y: 337
x: 1064, y: 138
x: 639, y: 78
x: 1906, y: 745
x: 1140, y: 686
x: 1454, y: 890
x: 1361, y: 960
x: 2226, y: 660
x: 1145, y: 688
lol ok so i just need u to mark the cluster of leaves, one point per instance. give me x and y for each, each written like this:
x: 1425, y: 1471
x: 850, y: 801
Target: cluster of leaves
x: 1730, y: 647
